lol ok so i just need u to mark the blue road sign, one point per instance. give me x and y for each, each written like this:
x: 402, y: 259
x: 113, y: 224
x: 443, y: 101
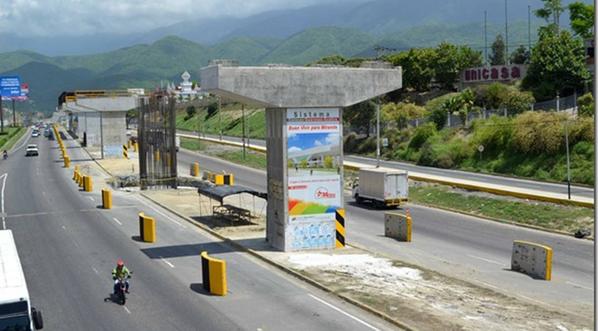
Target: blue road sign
x: 10, y: 86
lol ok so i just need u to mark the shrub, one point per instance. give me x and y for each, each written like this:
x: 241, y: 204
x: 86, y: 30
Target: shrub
x: 494, y: 133
x: 586, y: 105
x: 422, y: 134
x: 538, y: 132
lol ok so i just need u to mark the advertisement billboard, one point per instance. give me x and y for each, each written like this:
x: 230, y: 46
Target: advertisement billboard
x: 313, y: 176
x: 10, y: 86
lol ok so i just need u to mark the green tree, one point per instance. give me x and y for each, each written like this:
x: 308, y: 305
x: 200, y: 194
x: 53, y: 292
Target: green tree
x: 557, y: 65
x: 518, y: 102
x: 520, y: 55
x: 361, y: 115
x: 551, y: 11
x: 418, y: 67
x: 582, y: 19
x: 585, y: 105
x: 497, y: 51
x: 212, y: 109
x: 328, y: 162
x: 401, y: 113
x: 332, y: 60
x: 451, y: 60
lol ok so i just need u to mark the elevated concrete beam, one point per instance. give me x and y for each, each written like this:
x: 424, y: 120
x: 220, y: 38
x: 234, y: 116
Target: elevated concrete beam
x: 118, y: 103
x: 304, y: 87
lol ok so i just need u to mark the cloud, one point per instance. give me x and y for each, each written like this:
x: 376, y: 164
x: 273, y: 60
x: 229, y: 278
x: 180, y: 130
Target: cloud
x: 82, y: 17
x: 294, y: 149
x: 318, y: 143
x: 333, y: 139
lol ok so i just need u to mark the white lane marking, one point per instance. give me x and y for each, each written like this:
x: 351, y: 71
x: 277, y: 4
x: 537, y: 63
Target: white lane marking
x: 578, y: 285
x: 159, y: 212
x: 117, y: 221
x: 2, y: 206
x: 485, y: 259
x: 25, y: 141
x: 165, y: 261
x: 95, y: 270
x: 90, y: 198
x: 127, y: 310
x: 343, y: 312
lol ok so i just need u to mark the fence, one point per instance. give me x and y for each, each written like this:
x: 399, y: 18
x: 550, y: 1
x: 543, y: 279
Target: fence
x: 568, y: 103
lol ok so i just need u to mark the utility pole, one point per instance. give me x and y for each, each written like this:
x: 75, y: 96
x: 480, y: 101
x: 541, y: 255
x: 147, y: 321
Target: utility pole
x: 378, y: 133
x: 507, y: 60
x: 485, y: 37
x: 558, y: 108
x: 529, y: 29
x: 243, y: 124
x: 220, y: 117
x: 1, y: 116
x: 14, y: 114
x: 101, y: 136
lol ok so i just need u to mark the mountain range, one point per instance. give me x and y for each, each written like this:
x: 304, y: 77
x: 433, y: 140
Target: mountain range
x: 295, y: 37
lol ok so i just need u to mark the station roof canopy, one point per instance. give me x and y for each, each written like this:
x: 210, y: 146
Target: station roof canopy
x: 220, y: 192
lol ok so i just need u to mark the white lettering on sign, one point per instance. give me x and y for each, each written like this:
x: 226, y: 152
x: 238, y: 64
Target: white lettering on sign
x: 494, y: 73
x: 313, y: 115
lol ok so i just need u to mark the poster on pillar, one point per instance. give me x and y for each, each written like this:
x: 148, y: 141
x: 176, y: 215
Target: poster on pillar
x: 314, y: 176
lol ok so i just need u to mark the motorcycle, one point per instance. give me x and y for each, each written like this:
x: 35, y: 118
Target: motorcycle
x: 5, y: 155
x: 120, y: 287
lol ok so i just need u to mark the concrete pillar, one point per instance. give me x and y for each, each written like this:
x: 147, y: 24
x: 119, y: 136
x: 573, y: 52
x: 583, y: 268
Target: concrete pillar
x: 303, y: 138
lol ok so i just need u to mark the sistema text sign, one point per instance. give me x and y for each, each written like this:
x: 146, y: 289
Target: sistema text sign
x: 10, y: 86
x: 498, y: 73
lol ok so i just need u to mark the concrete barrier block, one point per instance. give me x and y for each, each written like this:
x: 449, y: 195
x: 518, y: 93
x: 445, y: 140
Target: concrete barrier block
x: 147, y: 228
x: 532, y: 259
x: 398, y: 226
x: 213, y: 274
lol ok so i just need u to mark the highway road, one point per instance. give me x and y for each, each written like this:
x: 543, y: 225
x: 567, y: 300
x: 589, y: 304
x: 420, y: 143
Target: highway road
x: 560, y: 188
x: 68, y: 247
x: 465, y: 247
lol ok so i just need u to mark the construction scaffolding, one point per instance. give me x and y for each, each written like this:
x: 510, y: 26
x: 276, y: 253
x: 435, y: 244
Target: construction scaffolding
x: 157, y: 147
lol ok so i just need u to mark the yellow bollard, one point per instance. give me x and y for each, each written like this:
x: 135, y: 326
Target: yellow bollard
x: 157, y: 155
x: 67, y: 161
x: 106, y: 199
x: 81, y: 180
x: 135, y: 147
x: 195, y: 169
x: 87, y: 184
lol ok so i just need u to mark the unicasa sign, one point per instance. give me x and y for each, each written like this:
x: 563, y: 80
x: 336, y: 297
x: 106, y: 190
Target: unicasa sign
x: 499, y: 73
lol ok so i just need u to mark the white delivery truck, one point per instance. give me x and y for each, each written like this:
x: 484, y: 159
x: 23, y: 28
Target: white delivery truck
x: 16, y: 312
x: 382, y: 187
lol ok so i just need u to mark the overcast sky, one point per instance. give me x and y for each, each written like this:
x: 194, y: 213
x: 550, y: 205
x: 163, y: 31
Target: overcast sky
x: 50, y: 17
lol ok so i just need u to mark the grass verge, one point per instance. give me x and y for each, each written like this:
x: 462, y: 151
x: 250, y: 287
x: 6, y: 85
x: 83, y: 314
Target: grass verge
x: 544, y: 215
x: 232, y: 154
x: 8, y: 140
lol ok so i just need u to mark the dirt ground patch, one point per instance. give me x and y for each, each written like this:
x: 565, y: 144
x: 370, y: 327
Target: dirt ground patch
x: 424, y: 299
x: 188, y: 202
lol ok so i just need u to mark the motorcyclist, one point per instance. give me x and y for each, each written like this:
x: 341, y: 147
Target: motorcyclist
x: 121, y: 272
x: 5, y: 154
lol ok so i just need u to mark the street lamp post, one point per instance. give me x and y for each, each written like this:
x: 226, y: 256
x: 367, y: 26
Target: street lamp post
x: 377, y: 133
x: 558, y: 108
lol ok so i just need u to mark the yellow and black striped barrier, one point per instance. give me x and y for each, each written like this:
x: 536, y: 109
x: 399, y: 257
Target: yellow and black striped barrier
x: 106, y: 199
x: 213, y: 273
x: 221, y: 179
x: 147, y: 228
x: 125, y: 152
x: 340, y: 228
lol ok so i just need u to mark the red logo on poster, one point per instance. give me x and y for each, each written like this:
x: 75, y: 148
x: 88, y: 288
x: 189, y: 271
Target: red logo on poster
x: 322, y: 193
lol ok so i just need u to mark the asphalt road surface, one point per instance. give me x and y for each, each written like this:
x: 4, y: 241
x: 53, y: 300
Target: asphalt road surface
x: 68, y: 247
x: 561, y: 188
x: 465, y: 247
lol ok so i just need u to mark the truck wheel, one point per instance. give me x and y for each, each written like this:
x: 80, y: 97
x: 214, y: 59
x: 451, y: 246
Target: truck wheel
x: 358, y: 199
x: 38, y: 321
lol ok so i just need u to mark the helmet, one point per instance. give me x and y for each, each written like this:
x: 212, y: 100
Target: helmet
x: 120, y: 263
